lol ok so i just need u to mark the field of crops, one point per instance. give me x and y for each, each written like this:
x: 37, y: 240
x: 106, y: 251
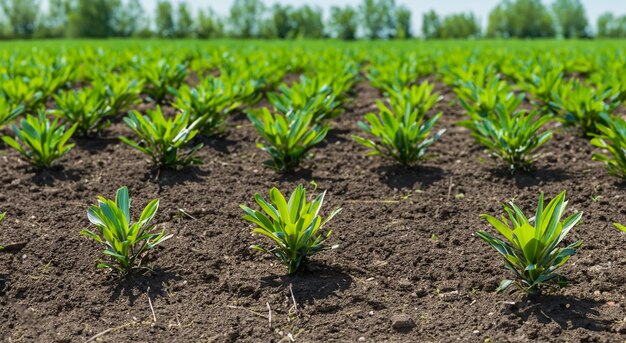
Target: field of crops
x: 129, y: 172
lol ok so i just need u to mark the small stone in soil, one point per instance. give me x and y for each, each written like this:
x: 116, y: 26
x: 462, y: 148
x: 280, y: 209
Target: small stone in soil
x: 450, y: 296
x: 402, y: 322
x: 405, y: 284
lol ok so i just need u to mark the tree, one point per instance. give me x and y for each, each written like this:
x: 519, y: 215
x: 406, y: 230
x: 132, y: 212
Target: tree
x: 245, y: 18
x: 571, y: 19
x: 144, y: 27
x: 307, y: 22
x: 605, y: 22
x: 343, y: 22
x: 531, y: 19
x: 520, y: 19
x: 403, y: 23
x: 431, y: 25
x: 129, y: 19
x: 184, y: 22
x: 460, y: 26
x: 93, y: 18
x: 610, y: 26
x: 280, y: 24
x: 498, y: 25
x: 377, y: 17
x: 209, y: 25
x: 55, y: 22
x: 164, y: 19
x: 22, y: 16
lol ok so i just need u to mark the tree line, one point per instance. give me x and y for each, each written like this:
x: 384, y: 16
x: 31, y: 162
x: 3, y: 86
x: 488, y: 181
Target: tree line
x: 525, y: 19
x: 371, y: 19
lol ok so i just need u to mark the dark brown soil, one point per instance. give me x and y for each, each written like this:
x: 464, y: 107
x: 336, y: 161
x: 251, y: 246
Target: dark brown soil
x: 407, y: 246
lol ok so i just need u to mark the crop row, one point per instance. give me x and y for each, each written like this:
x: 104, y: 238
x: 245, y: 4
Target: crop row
x: 402, y: 130
x: 532, y: 246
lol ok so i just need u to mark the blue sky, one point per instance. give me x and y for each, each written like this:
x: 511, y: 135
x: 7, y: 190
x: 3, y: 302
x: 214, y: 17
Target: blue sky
x: 480, y: 8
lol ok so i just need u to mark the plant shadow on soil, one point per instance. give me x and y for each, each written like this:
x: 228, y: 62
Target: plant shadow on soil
x: 171, y: 177
x: 533, y: 177
x: 406, y: 177
x: 335, y: 135
x: 241, y: 116
x: 3, y: 283
x: 219, y: 143
x: 95, y: 145
x: 134, y: 285
x: 320, y: 282
x: 302, y: 173
x: 567, y: 311
x: 621, y: 184
x: 47, y: 177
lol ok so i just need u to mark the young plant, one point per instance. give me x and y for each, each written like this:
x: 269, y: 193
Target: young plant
x: 40, y: 141
x: 18, y: 91
x: 126, y: 242
x: 542, y: 86
x: 161, y: 138
x: 511, y: 137
x: 119, y: 92
x: 210, y: 102
x: 476, y: 99
x: 531, y: 250
x: 459, y: 70
x: 612, y: 137
x: 616, y: 81
x: 248, y: 88
x: 8, y: 112
x: 288, y: 137
x: 583, y: 106
x: 160, y: 76
x: 293, y: 226
x: 418, y: 98
x: 402, y: 136
x: 340, y: 79
x: 620, y: 226
x: 309, y: 95
x: 86, y: 108
x: 392, y: 71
